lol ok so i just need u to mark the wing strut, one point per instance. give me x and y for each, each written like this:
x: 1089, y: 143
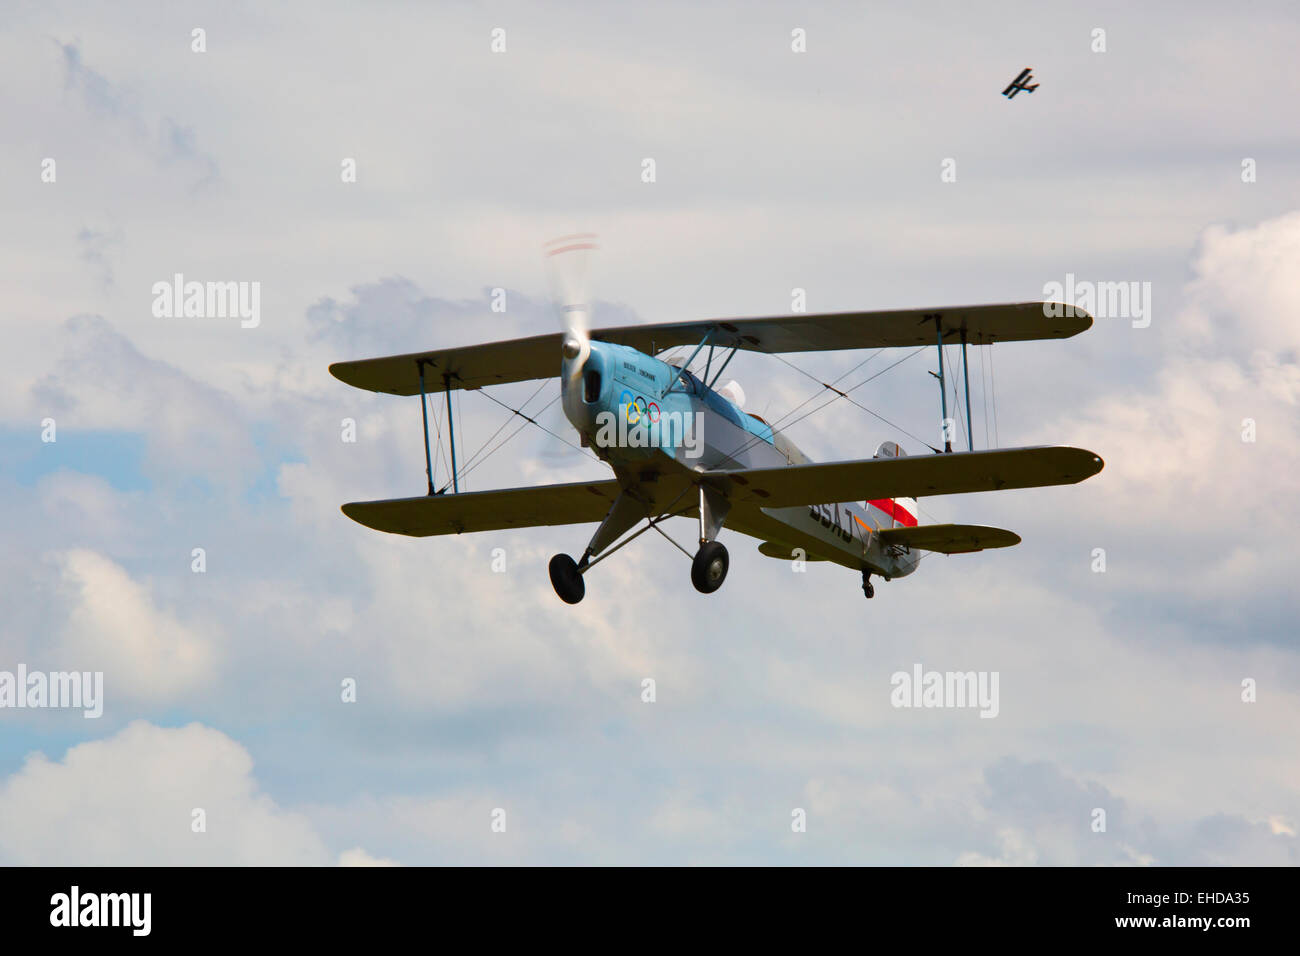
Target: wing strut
x: 685, y: 365
x: 424, y: 417
x: 451, y: 430
x: 943, y: 391
x: 965, y: 377
x: 709, y: 364
x: 722, y: 368
x: 451, y: 427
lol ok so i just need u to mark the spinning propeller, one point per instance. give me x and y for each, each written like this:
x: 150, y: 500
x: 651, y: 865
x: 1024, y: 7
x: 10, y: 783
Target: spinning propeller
x: 568, y: 260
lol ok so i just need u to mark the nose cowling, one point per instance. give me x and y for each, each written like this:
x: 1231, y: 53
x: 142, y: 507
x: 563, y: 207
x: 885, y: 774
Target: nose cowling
x: 584, y: 382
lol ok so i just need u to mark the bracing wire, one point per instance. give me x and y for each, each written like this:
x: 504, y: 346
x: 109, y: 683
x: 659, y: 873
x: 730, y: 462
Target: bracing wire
x: 956, y: 397
x: 838, y: 395
x: 509, y: 418
x: 484, y: 453
x: 441, y: 457
x: 527, y: 420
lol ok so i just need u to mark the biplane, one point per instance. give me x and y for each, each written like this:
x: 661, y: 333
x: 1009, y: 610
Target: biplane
x: 680, y: 445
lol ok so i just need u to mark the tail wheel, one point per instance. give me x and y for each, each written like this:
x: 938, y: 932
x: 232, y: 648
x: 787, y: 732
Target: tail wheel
x: 709, y: 569
x: 868, y: 588
x: 567, y: 579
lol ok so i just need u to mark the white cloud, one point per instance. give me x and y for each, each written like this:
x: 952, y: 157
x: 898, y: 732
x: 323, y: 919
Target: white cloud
x: 1179, y: 469
x: 115, y: 626
x: 1017, y: 849
x: 102, y: 381
x: 129, y: 799
x: 359, y: 857
x: 1244, y: 292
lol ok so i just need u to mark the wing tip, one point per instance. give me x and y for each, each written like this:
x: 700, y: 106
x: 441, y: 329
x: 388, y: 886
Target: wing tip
x: 368, y: 376
x: 345, y: 372
x: 1095, y: 462
x: 1064, y: 310
x: 1088, y: 462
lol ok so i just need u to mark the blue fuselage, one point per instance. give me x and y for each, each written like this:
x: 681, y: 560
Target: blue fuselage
x: 632, y: 409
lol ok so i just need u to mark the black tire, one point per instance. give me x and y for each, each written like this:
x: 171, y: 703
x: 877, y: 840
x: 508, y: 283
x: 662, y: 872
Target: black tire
x: 869, y: 589
x: 709, y: 569
x: 566, y: 579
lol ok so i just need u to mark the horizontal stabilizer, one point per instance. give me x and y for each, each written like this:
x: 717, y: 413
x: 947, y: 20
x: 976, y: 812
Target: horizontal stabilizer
x: 518, y: 360
x: 920, y: 476
x: 950, y: 538
x: 785, y: 552
x: 577, y: 503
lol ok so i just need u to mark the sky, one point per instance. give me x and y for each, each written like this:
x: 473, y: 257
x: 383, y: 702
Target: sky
x: 492, y: 724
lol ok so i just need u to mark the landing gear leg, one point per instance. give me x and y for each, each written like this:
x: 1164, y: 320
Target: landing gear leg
x: 709, y: 569
x: 566, y: 574
x: 867, y: 587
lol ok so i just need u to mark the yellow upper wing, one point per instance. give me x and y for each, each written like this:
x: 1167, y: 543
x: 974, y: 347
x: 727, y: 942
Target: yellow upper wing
x: 517, y: 360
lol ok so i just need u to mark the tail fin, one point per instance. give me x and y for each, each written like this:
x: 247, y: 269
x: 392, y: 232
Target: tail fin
x: 893, y: 512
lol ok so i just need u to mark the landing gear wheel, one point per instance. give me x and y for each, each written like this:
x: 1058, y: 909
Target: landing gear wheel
x: 567, y: 579
x: 709, y: 569
x: 867, y: 587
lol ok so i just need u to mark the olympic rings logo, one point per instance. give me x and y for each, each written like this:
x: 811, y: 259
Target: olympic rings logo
x: 636, y: 408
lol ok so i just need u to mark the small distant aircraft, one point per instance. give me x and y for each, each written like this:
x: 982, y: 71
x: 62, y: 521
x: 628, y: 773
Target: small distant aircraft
x: 1020, y: 84
x: 723, y: 466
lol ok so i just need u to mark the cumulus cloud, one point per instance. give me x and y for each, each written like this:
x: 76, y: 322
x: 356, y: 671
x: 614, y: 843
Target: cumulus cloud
x: 130, y: 799
x: 1205, y: 451
x: 1244, y: 293
x: 114, y: 625
x: 1035, y: 814
x: 359, y: 857
x: 103, y: 381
